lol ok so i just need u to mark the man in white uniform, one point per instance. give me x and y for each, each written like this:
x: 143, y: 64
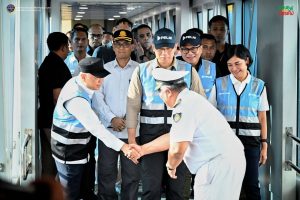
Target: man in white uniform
x: 201, y: 137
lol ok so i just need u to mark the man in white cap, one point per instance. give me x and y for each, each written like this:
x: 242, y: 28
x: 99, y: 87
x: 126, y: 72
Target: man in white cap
x: 155, y: 116
x: 74, y: 121
x: 201, y: 137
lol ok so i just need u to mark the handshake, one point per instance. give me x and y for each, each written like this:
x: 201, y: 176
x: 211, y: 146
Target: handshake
x: 133, y: 152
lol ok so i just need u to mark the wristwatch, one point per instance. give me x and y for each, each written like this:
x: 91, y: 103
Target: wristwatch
x: 169, y: 168
x: 264, y: 140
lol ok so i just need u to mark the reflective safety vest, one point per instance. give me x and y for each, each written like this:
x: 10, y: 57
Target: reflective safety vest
x: 207, y: 74
x: 69, y: 138
x: 155, y: 117
x: 241, y: 111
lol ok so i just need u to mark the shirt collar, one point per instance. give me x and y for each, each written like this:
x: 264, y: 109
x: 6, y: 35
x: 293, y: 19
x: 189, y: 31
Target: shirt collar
x: 180, y: 95
x: 129, y: 64
x: 73, y: 58
x: 234, y: 80
x: 173, y: 65
x: 86, y: 89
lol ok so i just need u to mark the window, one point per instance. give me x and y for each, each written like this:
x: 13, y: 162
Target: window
x: 249, y: 35
x: 210, y: 14
x: 200, y: 20
x: 229, y: 11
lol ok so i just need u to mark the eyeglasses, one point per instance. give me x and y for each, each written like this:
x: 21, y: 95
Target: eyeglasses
x: 124, y: 44
x: 192, y: 49
x: 96, y: 35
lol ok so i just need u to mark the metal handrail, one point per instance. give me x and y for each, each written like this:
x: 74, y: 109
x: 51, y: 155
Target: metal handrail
x: 288, y: 150
x: 293, y: 137
x: 295, y: 167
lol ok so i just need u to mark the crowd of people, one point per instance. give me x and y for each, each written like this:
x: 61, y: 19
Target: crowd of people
x: 168, y: 115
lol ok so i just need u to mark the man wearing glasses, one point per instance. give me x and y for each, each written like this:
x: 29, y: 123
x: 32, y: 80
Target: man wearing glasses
x: 95, y: 38
x: 191, y: 50
x: 111, y: 107
x: 155, y: 116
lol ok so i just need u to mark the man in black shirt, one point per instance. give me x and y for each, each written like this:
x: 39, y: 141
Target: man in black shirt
x: 53, y: 74
x: 219, y: 28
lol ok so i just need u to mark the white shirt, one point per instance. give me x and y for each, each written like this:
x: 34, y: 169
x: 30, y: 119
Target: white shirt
x: 201, y: 124
x: 81, y: 109
x: 72, y: 63
x: 239, y: 87
x: 111, y: 99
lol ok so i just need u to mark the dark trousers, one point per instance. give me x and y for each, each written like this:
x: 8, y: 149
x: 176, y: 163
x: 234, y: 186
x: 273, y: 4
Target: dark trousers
x: 250, y: 189
x: 48, y: 163
x: 70, y: 178
x: 88, y: 179
x: 154, y: 174
x: 108, y: 171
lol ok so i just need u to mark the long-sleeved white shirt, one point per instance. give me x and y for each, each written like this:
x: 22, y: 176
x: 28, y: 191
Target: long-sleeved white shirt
x: 72, y: 63
x: 111, y: 100
x: 82, y: 110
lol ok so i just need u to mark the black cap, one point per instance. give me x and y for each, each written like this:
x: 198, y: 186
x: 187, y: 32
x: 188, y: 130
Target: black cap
x: 93, y: 66
x: 164, y: 38
x: 123, y: 35
x: 191, y: 38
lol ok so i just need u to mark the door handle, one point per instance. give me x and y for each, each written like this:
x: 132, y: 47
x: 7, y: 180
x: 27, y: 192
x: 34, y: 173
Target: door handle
x: 27, y: 154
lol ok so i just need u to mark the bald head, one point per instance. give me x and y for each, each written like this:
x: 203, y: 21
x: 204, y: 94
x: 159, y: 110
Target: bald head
x: 95, y: 35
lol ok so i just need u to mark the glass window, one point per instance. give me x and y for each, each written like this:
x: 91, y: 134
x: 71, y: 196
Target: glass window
x: 229, y: 10
x: 210, y: 14
x: 200, y: 20
x: 249, y: 29
x: 174, y: 23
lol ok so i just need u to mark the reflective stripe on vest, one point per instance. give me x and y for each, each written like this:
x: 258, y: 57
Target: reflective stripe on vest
x: 155, y: 120
x: 68, y: 141
x: 151, y: 102
x: 240, y: 111
x: 207, y: 74
x: 76, y: 162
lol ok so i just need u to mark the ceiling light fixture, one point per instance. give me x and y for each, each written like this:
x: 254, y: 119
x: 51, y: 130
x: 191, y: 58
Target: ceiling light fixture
x: 111, y: 19
x: 122, y: 13
x: 78, y: 16
x: 83, y: 8
x: 130, y: 8
x: 116, y: 16
x: 81, y: 12
x: 77, y: 19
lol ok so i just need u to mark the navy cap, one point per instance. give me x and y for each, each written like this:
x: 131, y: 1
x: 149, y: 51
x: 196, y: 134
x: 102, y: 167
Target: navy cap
x: 123, y: 35
x: 93, y: 66
x: 164, y: 38
x: 168, y: 77
x: 191, y: 38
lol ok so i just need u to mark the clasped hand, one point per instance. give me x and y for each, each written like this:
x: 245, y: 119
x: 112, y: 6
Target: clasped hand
x: 118, y: 124
x: 134, y: 152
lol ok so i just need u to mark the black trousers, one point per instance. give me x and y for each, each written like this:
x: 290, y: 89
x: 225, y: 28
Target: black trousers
x: 154, y: 176
x: 48, y: 163
x: 108, y: 171
x: 87, y: 188
x: 250, y: 189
